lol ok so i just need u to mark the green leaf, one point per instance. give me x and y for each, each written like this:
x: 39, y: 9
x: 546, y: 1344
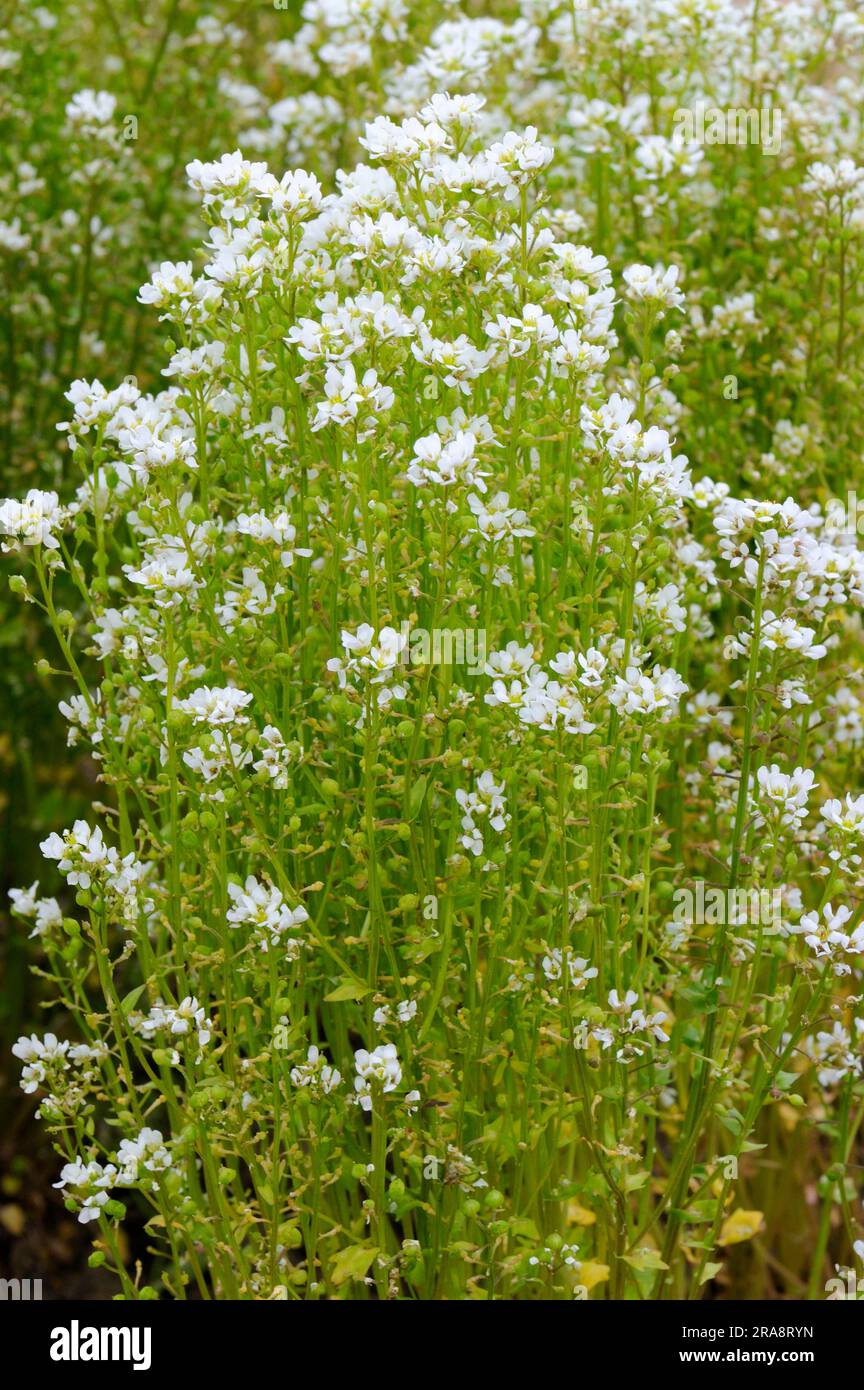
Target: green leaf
x: 697, y: 1211
x: 415, y: 800
x: 127, y: 1004
x: 353, y: 1262
x: 524, y: 1226
x: 352, y: 989
x: 731, y: 1120
x: 709, y: 1272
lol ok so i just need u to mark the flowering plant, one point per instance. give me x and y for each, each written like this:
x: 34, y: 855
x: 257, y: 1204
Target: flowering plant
x: 381, y: 972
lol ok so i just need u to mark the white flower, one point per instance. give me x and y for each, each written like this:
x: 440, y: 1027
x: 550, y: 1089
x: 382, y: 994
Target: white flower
x: 657, y: 694
x: 187, y: 1017
x: 405, y: 143
x: 825, y: 936
x: 451, y: 463
x: 782, y: 796
x: 515, y: 337
x: 44, y: 912
x: 497, y: 521
x: 346, y: 398
x: 169, y: 285
x: 658, y: 287
x: 446, y: 109
x: 834, y: 1057
x: 24, y: 900
x: 148, y: 1152
x: 275, y: 758
x: 278, y: 531
x: 296, y: 196
x: 578, y: 969
x: 380, y: 1067
x: 230, y: 176
x: 845, y: 823
x: 517, y: 159
x: 89, y: 108
x: 316, y: 1073
x: 40, y: 1056
x: 33, y: 521
x: 406, y: 1010
x: 165, y: 575
x: 262, y: 906
x: 217, y: 706
x: 485, y: 804
x: 81, y: 852
x: 373, y: 656
x: 593, y: 664
x: 513, y: 660
x: 88, y: 1185
x: 663, y: 606
x: 250, y: 597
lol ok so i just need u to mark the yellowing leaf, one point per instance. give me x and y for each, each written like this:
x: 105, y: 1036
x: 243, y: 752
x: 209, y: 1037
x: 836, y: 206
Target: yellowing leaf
x: 353, y: 1262
x: 13, y: 1218
x: 741, y: 1225
x: 646, y: 1259
x: 590, y: 1274
x: 580, y: 1216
